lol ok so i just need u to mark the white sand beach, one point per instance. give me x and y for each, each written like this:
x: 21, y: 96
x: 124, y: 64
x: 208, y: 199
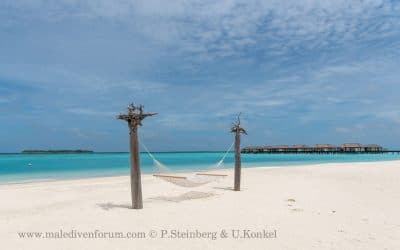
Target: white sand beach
x: 329, y: 206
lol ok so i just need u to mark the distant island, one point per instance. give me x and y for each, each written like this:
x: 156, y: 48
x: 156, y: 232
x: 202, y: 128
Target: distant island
x: 81, y: 151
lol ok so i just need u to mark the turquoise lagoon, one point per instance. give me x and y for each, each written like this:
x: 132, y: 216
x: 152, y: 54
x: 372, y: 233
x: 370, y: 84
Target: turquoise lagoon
x: 39, y: 167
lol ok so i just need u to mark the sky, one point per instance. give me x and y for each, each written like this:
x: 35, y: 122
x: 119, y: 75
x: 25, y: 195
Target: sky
x: 301, y: 72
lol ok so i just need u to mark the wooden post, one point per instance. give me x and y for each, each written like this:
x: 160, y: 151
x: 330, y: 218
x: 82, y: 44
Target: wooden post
x: 134, y: 118
x: 238, y: 164
x: 136, y: 183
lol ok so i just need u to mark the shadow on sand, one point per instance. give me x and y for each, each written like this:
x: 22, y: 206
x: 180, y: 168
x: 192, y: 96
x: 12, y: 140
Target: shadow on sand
x: 192, y: 195
x: 224, y: 188
x: 109, y: 205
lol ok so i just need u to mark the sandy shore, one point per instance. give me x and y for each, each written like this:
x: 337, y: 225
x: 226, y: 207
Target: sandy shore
x: 330, y: 206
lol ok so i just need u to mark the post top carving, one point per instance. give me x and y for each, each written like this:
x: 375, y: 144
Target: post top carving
x: 135, y: 115
x: 236, y: 128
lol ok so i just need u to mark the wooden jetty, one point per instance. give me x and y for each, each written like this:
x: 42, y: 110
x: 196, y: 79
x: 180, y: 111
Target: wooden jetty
x: 351, y: 148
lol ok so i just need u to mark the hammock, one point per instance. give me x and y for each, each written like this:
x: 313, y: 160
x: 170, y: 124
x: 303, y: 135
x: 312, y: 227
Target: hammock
x: 196, y: 180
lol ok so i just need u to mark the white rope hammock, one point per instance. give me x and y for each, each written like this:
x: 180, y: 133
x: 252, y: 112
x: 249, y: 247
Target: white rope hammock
x: 182, y: 181
x: 196, y: 180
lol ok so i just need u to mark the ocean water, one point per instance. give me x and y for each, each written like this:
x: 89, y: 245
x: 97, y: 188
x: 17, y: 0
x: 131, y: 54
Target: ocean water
x: 37, y: 167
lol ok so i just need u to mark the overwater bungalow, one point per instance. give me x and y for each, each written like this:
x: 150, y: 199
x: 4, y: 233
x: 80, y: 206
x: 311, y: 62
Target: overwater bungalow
x: 352, y: 147
x: 318, y: 148
x: 281, y: 148
x: 301, y: 148
x: 372, y: 148
x: 326, y: 148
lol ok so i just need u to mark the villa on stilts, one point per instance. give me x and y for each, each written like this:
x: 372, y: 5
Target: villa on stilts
x: 317, y: 149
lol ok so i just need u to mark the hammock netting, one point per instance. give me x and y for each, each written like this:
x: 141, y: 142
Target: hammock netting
x: 194, y: 180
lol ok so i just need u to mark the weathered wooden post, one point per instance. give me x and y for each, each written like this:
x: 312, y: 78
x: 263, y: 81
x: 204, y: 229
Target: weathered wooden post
x: 238, y: 164
x: 134, y: 118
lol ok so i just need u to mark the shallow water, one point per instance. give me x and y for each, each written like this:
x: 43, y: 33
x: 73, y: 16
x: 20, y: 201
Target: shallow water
x: 16, y: 168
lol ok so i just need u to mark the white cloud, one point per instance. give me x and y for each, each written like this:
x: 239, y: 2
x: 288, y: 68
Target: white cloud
x: 4, y: 99
x: 392, y: 115
x: 215, y: 29
x: 88, y: 111
x: 288, y: 61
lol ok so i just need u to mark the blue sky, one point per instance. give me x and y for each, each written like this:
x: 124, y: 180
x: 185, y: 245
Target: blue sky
x: 300, y: 71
